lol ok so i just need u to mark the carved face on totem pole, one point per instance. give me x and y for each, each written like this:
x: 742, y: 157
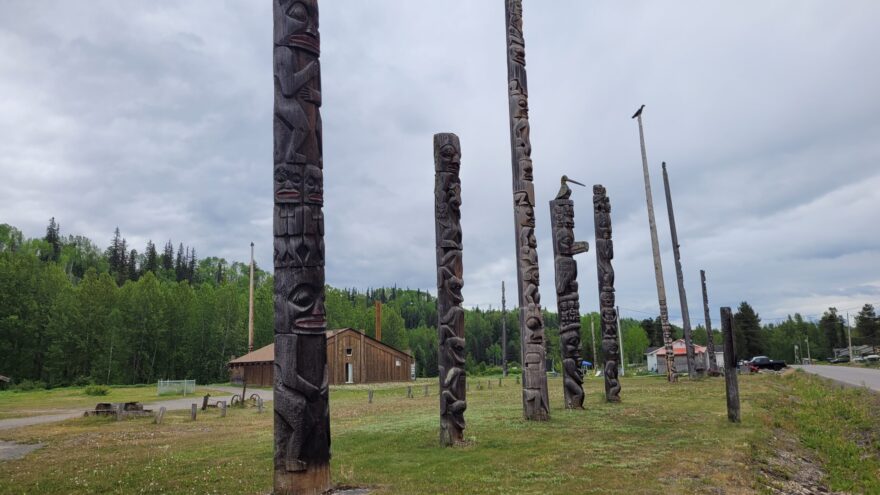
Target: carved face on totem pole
x: 569, y: 310
x: 448, y: 159
x: 296, y: 184
x: 299, y: 26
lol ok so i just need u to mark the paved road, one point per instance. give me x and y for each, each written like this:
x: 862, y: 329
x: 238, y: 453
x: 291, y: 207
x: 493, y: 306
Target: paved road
x: 845, y: 374
x: 170, y: 405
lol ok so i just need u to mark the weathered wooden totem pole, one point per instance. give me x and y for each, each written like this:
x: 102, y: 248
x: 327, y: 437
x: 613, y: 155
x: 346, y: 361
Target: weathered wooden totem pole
x: 536, y: 402
x: 450, y: 328
x: 682, y: 294
x: 503, y: 331
x: 671, y: 375
x: 710, y: 341
x: 605, y: 275
x: 302, y: 409
x: 567, y: 299
x: 731, y: 382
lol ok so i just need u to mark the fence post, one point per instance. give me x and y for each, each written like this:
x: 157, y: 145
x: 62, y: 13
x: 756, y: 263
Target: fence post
x: 499, y: 382
x: 517, y: 379
x: 489, y: 384
x: 409, y: 394
x: 159, y: 415
x: 259, y: 404
x: 222, y: 408
x: 426, y: 390
x: 370, y: 396
x: 195, y: 407
x: 119, y: 411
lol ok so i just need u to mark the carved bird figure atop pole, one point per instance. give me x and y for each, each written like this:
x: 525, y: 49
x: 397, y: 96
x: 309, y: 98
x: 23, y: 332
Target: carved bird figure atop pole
x: 565, y: 191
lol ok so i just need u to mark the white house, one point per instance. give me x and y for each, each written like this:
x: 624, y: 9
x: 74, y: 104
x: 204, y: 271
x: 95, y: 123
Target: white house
x: 657, y: 357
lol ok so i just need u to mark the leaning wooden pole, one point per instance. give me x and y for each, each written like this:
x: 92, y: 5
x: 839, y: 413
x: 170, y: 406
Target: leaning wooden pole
x: 450, y: 327
x: 682, y: 294
x: 567, y: 298
x: 730, y: 379
x: 710, y: 337
x: 301, y: 405
x: 251, y: 305
x: 658, y: 266
x: 605, y: 275
x: 536, y: 402
x: 503, y: 331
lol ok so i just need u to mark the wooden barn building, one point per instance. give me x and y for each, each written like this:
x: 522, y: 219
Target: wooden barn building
x: 352, y: 357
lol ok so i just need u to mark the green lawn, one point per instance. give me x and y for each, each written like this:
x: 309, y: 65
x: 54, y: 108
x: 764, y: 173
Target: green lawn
x: 661, y: 439
x: 37, y: 402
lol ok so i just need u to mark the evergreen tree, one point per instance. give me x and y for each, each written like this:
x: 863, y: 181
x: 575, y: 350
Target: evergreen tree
x: 53, y: 238
x: 133, y: 273
x: 179, y: 263
x: 122, y: 268
x: 114, y: 251
x: 749, y: 339
x: 191, y: 265
x: 168, y: 256
x: 834, y: 329
x: 867, y: 326
x: 151, y: 258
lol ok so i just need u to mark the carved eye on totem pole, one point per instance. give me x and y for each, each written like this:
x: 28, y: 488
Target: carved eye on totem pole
x: 306, y: 302
x: 450, y: 159
x: 525, y: 166
x: 564, y: 241
x: 314, y: 185
x: 299, y: 25
x: 456, y: 348
x: 453, y: 285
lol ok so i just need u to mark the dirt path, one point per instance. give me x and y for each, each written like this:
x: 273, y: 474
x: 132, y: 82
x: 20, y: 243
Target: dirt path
x: 12, y: 450
x: 170, y: 405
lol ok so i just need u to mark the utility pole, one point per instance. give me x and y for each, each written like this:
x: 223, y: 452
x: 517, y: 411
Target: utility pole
x: 503, y: 332
x: 797, y: 359
x: 251, y: 305
x: 378, y: 320
x: 593, y: 338
x: 658, y: 267
x: 620, y: 343
x: 809, y: 358
x: 682, y: 295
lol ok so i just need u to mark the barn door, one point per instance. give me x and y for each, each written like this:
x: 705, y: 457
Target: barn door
x: 349, y: 373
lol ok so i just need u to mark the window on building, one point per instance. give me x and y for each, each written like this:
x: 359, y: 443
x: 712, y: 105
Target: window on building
x: 348, y: 351
x: 397, y: 362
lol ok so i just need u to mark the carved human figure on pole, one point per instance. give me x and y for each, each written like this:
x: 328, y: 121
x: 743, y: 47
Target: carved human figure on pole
x: 605, y: 275
x: 450, y: 328
x: 567, y: 299
x: 301, y: 405
x: 710, y: 337
x: 536, y: 402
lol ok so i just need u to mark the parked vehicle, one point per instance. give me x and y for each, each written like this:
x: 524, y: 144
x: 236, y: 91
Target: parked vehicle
x: 872, y: 358
x: 859, y: 359
x: 765, y: 363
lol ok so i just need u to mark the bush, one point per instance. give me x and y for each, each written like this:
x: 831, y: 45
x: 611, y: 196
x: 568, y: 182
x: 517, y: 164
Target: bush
x: 28, y: 385
x: 82, y: 381
x: 97, y: 390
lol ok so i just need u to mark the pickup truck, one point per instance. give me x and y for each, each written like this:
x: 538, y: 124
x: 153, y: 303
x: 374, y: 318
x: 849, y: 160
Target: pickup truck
x: 765, y: 363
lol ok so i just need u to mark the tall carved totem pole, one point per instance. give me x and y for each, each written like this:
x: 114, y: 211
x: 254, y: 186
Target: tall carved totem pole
x: 450, y: 328
x: 567, y: 299
x: 682, y: 293
x: 302, y: 409
x: 536, y: 402
x: 605, y: 274
x: 710, y: 337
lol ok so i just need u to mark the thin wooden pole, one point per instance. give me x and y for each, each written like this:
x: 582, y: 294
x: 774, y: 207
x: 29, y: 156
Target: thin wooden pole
x: 710, y: 337
x: 503, y: 332
x: 251, y: 305
x: 682, y: 294
x: 658, y: 266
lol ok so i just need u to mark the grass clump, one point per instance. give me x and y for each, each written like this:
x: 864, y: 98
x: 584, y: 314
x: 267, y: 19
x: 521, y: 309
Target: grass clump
x: 96, y: 390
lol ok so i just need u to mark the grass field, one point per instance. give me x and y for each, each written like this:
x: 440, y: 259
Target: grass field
x: 15, y: 404
x: 796, y: 431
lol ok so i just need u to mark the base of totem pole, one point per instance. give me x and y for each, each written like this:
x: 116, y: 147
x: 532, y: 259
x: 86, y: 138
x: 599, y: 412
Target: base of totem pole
x: 313, y: 481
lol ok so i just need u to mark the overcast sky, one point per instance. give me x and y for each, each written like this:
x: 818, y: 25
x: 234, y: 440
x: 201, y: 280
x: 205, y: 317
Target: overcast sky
x: 157, y: 117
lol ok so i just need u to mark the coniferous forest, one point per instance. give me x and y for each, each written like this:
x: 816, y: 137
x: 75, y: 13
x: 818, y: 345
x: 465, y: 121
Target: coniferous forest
x: 72, y: 313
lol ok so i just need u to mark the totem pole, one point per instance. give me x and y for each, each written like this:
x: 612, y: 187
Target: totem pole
x: 682, y: 294
x: 302, y: 409
x: 450, y: 328
x: 658, y: 266
x: 710, y: 340
x: 605, y: 274
x: 731, y: 382
x: 536, y: 402
x: 567, y: 299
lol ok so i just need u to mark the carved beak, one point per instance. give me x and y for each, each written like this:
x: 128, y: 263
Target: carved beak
x: 575, y: 182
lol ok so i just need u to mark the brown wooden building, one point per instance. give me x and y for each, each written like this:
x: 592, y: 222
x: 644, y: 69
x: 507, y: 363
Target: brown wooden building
x: 352, y: 357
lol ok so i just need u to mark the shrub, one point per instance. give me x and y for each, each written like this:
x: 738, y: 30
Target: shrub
x: 82, y: 381
x: 28, y: 385
x: 97, y: 390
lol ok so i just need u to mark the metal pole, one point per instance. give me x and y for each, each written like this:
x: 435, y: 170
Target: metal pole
x: 503, y: 332
x: 620, y: 343
x: 658, y: 267
x: 682, y: 294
